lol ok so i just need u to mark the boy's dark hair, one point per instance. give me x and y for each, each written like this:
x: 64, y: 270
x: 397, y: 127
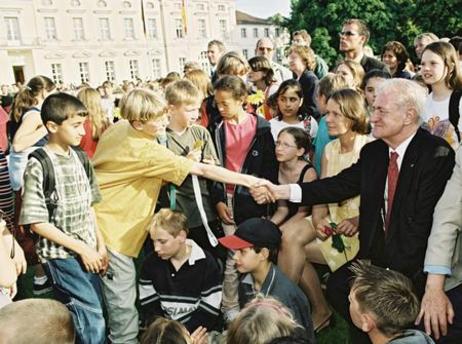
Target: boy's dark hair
x: 456, y: 41
x: 233, y: 84
x: 38, y: 321
x: 387, y: 294
x: 374, y: 73
x: 273, y: 253
x: 60, y: 106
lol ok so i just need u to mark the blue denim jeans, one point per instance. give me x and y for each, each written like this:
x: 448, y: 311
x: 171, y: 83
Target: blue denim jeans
x: 80, y: 291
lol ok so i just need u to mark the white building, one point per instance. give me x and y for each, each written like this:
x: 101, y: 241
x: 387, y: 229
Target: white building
x: 74, y: 41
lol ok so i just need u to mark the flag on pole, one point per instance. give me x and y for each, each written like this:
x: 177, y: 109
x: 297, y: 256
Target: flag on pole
x: 184, y: 17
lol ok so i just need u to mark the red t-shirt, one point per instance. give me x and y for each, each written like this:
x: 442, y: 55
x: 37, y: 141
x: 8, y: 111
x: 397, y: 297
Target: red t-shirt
x: 87, y: 143
x: 238, y: 140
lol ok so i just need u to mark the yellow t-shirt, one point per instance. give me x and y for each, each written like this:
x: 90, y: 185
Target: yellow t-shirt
x: 130, y: 168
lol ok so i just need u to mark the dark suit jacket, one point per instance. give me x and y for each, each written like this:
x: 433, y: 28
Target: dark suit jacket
x: 426, y: 167
x: 308, y: 81
x: 368, y: 63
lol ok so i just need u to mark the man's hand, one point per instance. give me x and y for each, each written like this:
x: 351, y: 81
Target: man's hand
x: 224, y: 213
x: 435, y: 309
x: 199, y: 336
x: 91, y: 259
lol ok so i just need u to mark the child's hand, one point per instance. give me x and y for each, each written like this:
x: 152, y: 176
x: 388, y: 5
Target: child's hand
x: 224, y: 213
x: 91, y: 259
x: 195, y: 155
x: 199, y: 336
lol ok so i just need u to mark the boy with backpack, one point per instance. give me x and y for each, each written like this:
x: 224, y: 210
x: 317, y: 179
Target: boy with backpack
x: 59, y: 191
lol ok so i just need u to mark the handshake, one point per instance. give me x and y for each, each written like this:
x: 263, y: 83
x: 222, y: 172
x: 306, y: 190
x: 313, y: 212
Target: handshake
x: 263, y: 191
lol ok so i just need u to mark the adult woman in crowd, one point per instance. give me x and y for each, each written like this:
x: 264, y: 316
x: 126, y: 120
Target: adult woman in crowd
x: 395, y: 56
x: 302, y: 62
x: 346, y: 119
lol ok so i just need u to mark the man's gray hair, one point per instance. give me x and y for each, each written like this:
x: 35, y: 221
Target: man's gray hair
x: 406, y: 93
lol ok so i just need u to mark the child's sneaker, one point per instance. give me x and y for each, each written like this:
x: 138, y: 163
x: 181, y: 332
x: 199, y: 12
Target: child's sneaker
x: 42, y: 285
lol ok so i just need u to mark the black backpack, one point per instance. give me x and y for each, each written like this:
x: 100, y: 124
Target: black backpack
x: 454, y: 114
x: 49, y: 180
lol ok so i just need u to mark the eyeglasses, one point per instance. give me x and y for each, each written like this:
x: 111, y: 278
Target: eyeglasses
x: 348, y: 33
x: 284, y: 145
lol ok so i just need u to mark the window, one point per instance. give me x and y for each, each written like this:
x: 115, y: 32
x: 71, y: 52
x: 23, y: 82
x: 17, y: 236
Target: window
x: 110, y: 70
x: 245, y: 52
x: 47, y: 2
x: 79, y: 33
x: 243, y: 32
x: 134, y: 69
x: 204, y: 61
x: 104, y: 29
x: 202, y: 28
x: 221, y: 8
x: 129, y: 28
x: 201, y: 7
x: 84, y: 71
x: 127, y: 4
x: 102, y: 3
x: 149, y: 5
x: 179, y: 28
x: 182, y: 62
x: 75, y: 3
x: 12, y: 28
x: 50, y: 28
x: 278, y: 32
x: 255, y: 32
x: 152, y: 28
x: 177, y: 5
x: 57, y: 73
x: 223, y: 28
x: 156, y: 69
x: 267, y: 32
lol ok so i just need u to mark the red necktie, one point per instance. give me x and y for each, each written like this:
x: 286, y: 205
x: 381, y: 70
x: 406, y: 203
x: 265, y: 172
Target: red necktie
x: 392, y: 177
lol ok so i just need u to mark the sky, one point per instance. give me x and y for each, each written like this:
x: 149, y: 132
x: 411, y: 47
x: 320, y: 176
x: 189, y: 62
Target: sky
x: 264, y: 8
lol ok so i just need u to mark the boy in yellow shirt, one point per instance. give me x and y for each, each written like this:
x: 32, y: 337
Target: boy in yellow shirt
x: 130, y: 168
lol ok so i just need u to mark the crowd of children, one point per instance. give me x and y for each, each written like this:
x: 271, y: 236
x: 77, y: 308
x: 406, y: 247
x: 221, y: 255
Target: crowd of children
x: 169, y: 181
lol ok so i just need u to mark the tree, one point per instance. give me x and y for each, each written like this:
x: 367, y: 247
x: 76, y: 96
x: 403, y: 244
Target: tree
x: 400, y: 20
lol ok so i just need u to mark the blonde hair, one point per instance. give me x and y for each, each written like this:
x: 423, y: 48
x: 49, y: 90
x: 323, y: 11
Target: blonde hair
x: 142, y: 105
x: 92, y: 101
x: 332, y: 82
x: 351, y: 104
x: 171, y: 221
x: 306, y: 54
x: 356, y: 70
x: 201, y: 80
x: 262, y: 320
x: 232, y: 63
x: 182, y: 92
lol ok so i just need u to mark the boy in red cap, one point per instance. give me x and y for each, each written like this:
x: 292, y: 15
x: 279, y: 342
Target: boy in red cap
x: 255, y: 244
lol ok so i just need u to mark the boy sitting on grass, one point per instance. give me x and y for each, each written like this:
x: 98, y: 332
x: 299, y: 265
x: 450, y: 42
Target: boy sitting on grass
x: 383, y: 305
x: 255, y: 244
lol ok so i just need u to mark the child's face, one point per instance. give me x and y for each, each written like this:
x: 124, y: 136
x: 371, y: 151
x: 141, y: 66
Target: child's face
x: 346, y: 72
x: 247, y: 260
x: 166, y: 245
x: 337, y: 123
x: 154, y: 127
x: 433, y: 69
x: 289, y: 103
x: 184, y: 115
x: 228, y: 106
x: 286, y: 148
x: 371, y: 89
x: 255, y: 76
x: 70, y: 132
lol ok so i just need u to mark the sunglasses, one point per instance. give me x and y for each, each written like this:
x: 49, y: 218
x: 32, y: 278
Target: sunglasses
x: 348, y: 33
x: 265, y: 49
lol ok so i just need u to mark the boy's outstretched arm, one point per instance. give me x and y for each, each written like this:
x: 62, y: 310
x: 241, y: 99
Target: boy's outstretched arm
x: 223, y: 175
x: 91, y: 259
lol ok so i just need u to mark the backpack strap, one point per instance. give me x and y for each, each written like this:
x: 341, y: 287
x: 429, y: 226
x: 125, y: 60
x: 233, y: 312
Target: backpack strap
x: 49, y: 181
x: 49, y: 178
x: 454, y: 115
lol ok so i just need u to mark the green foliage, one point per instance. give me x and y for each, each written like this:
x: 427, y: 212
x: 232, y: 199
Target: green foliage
x: 400, y: 20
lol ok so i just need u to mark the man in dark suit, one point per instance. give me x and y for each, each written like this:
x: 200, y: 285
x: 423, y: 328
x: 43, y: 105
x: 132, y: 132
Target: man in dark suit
x: 400, y: 178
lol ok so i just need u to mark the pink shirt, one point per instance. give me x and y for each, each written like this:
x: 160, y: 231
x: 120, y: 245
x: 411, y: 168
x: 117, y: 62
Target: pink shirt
x: 239, y: 137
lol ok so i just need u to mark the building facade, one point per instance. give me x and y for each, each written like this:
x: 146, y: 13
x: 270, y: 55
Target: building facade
x: 75, y: 41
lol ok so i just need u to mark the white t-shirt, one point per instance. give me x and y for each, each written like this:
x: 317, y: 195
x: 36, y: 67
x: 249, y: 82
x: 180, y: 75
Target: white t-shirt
x: 436, y: 119
x: 277, y: 126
